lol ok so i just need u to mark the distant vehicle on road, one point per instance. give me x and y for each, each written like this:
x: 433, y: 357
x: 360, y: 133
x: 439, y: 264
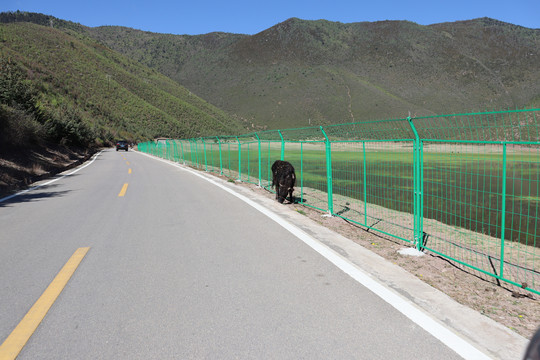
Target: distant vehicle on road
x: 122, y: 145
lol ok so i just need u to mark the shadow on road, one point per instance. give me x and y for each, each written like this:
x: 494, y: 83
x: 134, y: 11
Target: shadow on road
x: 36, y: 195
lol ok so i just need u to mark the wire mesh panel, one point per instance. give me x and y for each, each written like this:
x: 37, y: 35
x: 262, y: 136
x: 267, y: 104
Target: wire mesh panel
x: 373, y: 185
x: 249, y: 159
x: 309, y: 161
x: 372, y: 175
x: 212, y: 152
x: 162, y: 149
x: 183, y: 146
x: 198, y: 152
x: 463, y: 202
x: 175, y: 155
x: 521, y: 254
x: 187, y: 152
x: 480, y: 188
x: 229, y: 156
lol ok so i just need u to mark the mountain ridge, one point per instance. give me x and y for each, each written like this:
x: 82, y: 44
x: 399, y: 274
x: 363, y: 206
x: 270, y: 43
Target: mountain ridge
x: 317, y: 71
x: 321, y: 72
x: 109, y: 91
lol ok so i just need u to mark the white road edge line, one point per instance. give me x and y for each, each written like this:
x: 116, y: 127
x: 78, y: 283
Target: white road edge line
x: 51, y: 181
x: 407, y: 308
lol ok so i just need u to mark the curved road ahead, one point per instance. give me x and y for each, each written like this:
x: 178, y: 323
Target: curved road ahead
x: 178, y: 268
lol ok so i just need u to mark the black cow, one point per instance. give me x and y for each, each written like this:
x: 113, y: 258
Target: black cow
x: 284, y: 180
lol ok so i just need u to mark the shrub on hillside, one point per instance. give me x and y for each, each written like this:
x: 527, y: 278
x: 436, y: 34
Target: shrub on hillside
x: 23, y: 119
x: 14, y: 90
x: 66, y: 126
x: 18, y: 128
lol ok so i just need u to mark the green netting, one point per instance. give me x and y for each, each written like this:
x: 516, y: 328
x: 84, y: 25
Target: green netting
x: 464, y: 186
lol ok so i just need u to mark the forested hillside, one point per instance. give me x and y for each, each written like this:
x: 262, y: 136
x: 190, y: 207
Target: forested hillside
x: 77, y: 91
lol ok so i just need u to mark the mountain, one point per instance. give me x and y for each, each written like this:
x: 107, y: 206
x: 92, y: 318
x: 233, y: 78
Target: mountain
x: 67, y: 87
x: 317, y: 72
x: 300, y: 73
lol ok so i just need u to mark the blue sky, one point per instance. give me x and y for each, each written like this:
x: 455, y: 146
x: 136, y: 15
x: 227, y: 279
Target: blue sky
x: 252, y: 16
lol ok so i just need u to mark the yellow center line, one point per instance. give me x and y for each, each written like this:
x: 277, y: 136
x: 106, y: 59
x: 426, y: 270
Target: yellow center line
x: 124, y: 189
x: 127, y: 162
x: 13, y: 345
x: 129, y: 171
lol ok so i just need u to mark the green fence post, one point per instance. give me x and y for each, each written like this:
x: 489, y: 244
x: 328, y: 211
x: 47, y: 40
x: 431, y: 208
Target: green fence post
x: 365, y: 184
x: 239, y: 159
x: 301, y: 172
x: 282, y: 145
x: 503, y: 216
x: 197, y: 147
x: 260, y: 160
x: 418, y: 198
x: 229, y: 152
x: 194, y: 153
x: 182, y: 148
x: 329, y: 172
x: 191, y: 150
x: 248, y: 161
x: 220, y: 159
x: 421, y: 196
x: 205, y: 160
x: 175, y: 146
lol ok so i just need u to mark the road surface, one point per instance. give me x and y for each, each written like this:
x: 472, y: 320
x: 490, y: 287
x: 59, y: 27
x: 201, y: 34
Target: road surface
x: 180, y: 269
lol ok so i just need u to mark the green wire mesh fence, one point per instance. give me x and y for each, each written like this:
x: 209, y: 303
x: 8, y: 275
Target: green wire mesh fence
x: 465, y: 186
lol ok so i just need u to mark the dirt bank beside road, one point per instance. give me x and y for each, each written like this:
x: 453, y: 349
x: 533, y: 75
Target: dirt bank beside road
x: 20, y: 167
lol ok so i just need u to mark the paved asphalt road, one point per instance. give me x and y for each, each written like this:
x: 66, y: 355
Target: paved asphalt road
x: 180, y: 269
